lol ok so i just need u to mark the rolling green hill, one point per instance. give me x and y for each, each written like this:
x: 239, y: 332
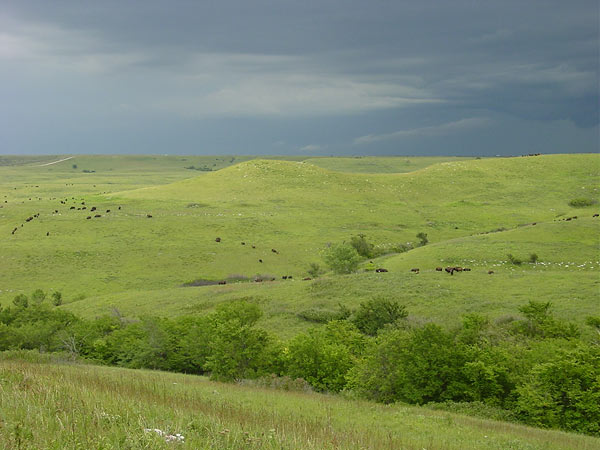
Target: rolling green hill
x: 127, y: 260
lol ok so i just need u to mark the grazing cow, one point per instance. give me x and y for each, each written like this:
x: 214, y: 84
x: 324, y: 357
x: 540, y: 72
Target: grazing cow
x: 93, y: 208
x: 284, y: 277
x: 380, y: 270
x: 306, y: 279
x: 119, y: 207
x: 72, y: 207
x: 458, y: 269
x: 218, y: 239
x: 260, y: 260
x: 149, y: 216
x: 439, y: 269
x: 223, y: 282
x: 14, y: 231
x: 534, y: 223
x: 29, y: 219
x: 574, y: 217
x: 258, y: 280
x: 98, y: 215
x: 490, y: 272
x: 83, y: 207
x: 415, y: 270
x: 88, y: 217
x: 596, y: 215
x: 108, y: 210
x: 289, y: 277
x: 466, y: 269
x: 568, y: 218
x: 274, y: 251
x: 48, y: 233
x: 243, y: 243
x: 56, y: 211
x: 78, y: 209
x: 254, y: 246
x: 449, y: 270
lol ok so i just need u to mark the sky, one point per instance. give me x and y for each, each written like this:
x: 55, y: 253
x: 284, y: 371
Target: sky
x: 301, y: 77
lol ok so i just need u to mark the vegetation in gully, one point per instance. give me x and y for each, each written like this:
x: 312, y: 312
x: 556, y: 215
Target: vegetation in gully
x: 342, y: 290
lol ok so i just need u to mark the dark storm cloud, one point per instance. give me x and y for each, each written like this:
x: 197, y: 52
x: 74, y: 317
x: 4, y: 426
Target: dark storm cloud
x: 379, y: 73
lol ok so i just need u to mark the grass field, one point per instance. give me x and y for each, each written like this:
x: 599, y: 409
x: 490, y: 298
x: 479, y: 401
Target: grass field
x: 66, y: 406
x: 137, y: 264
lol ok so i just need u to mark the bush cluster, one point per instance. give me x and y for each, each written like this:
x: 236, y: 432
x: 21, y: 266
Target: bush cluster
x: 535, y: 369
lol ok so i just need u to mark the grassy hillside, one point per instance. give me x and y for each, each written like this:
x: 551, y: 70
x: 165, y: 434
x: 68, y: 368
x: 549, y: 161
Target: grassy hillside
x: 136, y: 263
x: 53, y: 405
x: 381, y: 164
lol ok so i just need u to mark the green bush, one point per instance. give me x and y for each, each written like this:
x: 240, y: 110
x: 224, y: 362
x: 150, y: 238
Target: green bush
x: 582, y: 202
x: 533, y: 258
x: 314, y: 270
x: 362, y: 247
x: 342, y: 258
x: 57, y: 298
x: 422, y: 238
x: 373, y: 315
x: 514, y: 260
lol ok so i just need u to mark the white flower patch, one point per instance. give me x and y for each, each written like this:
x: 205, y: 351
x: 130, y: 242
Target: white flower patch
x: 177, y: 437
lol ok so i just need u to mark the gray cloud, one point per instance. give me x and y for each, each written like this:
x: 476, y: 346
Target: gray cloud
x: 282, y: 65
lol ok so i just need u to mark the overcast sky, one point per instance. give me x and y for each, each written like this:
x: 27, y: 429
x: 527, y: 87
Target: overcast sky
x: 326, y: 77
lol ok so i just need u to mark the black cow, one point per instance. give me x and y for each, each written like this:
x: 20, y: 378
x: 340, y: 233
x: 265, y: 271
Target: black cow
x: 218, y: 239
x: 415, y: 270
x: 88, y: 217
x: 274, y: 251
x: 260, y: 260
x: 439, y: 269
x: 223, y: 282
x: 149, y: 216
x: 381, y: 270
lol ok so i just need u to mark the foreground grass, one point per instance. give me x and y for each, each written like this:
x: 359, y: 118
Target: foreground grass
x: 65, y: 406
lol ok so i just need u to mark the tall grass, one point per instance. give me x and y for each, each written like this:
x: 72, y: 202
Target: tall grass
x: 51, y: 406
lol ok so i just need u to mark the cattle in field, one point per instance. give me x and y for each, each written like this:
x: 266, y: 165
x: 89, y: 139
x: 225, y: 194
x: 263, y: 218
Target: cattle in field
x: 449, y: 269
x: 439, y: 269
x: 596, y: 215
x: 108, y: 210
x: 243, y: 243
x: 466, y: 269
x: 274, y: 251
x: 48, y: 233
x: 29, y: 219
x: 14, y: 230
x: 223, y: 282
x: 260, y: 260
x: 254, y: 246
x: 218, y: 239
x: 306, y: 279
x: 88, y: 217
x: 458, y: 269
x: 72, y: 207
x: 381, y: 270
x: 93, y: 208
x: 490, y: 272
x: 83, y: 207
x: 284, y: 277
x: 149, y: 216
x: 98, y: 215
x: 119, y: 207
x: 415, y: 270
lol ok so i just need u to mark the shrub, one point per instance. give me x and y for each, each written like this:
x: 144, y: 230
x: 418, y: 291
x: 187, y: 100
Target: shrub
x: 362, y: 247
x: 57, y: 298
x: 422, y: 238
x: 514, y: 260
x: 314, y: 270
x: 533, y: 258
x: 342, y: 258
x: 38, y: 296
x: 582, y: 202
x: 323, y: 315
x: 376, y: 313
x: 21, y: 301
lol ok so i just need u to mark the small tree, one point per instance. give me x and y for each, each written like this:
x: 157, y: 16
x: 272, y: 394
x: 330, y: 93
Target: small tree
x: 514, y: 260
x: 314, y: 270
x: 74, y: 166
x: 422, y: 238
x: 533, y: 258
x: 362, y: 247
x: 57, y: 298
x: 376, y: 313
x: 342, y: 258
x: 21, y: 301
x: 38, y: 296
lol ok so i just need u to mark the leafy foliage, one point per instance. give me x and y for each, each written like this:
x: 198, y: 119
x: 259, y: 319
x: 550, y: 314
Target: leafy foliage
x: 376, y: 313
x: 342, y: 258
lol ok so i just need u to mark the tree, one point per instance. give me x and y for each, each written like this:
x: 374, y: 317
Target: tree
x: 362, y: 247
x: 57, y: 298
x: 38, y: 296
x: 314, y: 270
x: 423, y: 238
x: 374, y: 314
x: 342, y: 258
x: 21, y: 301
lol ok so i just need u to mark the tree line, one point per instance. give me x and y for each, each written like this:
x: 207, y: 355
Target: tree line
x: 535, y: 369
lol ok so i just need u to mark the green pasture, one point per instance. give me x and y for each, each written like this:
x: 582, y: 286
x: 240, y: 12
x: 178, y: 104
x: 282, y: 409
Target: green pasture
x: 380, y: 164
x: 55, y: 406
x: 137, y: 264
